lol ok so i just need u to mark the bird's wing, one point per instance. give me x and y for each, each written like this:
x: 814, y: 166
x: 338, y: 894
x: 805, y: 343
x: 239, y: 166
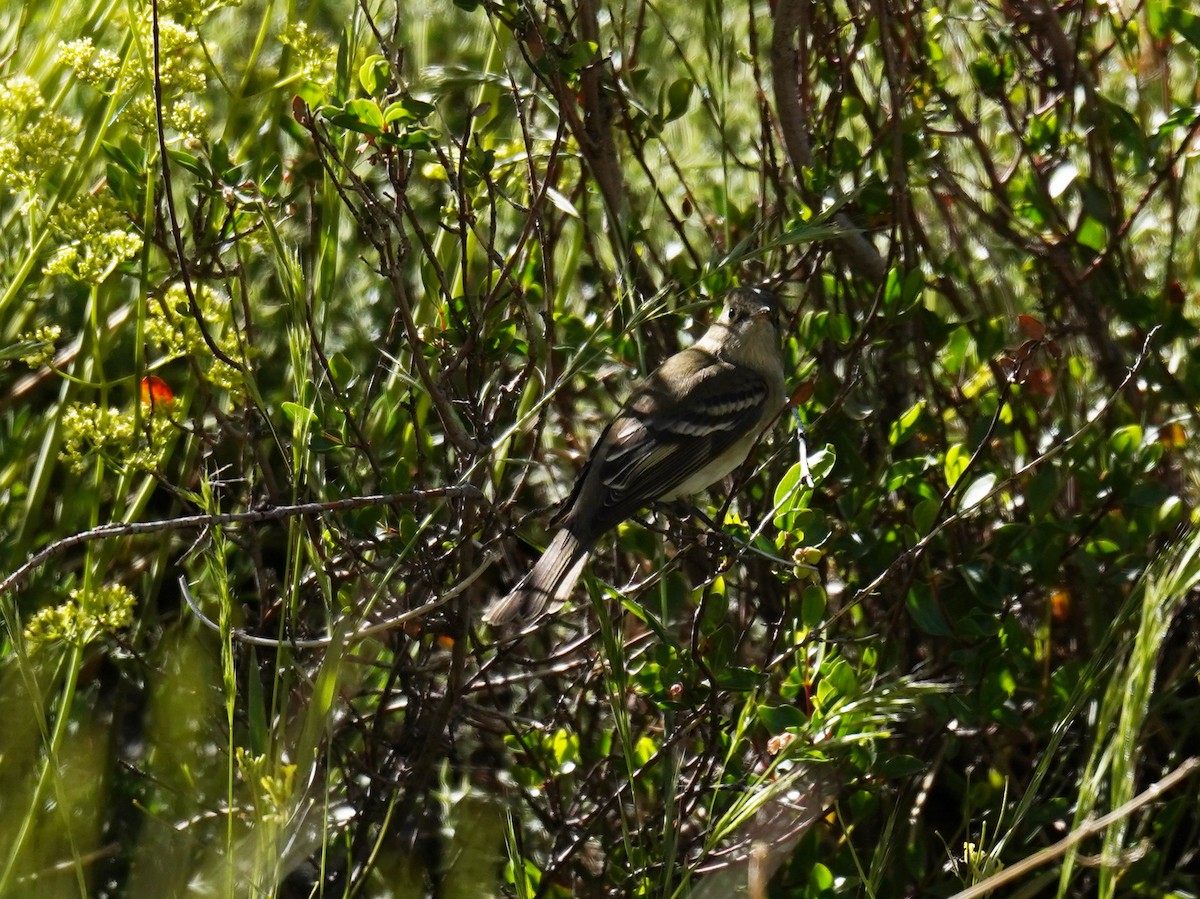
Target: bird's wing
x: 659, y: 440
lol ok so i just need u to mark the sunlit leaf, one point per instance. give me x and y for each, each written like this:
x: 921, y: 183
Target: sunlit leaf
x: 1125, y: 441
x: 679, y: 95
x: 957, y: 458
x: 977, y: 492
x: 902, y: 428
x: 373, y: 73
x: 1061, y: 178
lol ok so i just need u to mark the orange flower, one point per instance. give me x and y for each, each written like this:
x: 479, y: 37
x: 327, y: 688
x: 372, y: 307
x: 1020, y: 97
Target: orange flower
x: 155, y: 392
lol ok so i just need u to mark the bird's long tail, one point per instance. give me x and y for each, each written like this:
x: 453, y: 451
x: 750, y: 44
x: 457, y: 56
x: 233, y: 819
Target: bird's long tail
x: 546, y: 587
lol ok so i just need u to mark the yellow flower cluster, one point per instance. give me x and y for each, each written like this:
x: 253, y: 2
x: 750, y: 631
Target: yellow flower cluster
x: 32, y: 141
x: 19, y: 96
x: 94, y: 260
x: 193, y: 11
x: 181, y: 72
x: 92, y: 66
x: 86, y: 616
x: 113, y: 435
x: 39, y: 345
x: 181, y: 64
x: 314, y: 55
x: 272, y: 792
x: 97, y: 239
x: 172, y: 327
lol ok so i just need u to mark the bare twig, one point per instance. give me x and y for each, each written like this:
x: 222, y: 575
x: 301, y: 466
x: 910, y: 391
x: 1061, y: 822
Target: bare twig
x: 191, y: 522
x: 854, y: 249
x: 372, y: 630
x: 1087, y: 829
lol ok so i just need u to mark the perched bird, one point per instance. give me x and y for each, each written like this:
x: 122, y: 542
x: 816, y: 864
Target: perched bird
x: 686, y: 426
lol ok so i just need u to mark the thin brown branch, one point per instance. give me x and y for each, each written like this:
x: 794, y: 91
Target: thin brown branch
x: 1087, y: 829
x: 192, y: 522
x: 853, y: 249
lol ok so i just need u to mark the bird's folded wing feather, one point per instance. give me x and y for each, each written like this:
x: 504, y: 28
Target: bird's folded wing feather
x: 647, y: 453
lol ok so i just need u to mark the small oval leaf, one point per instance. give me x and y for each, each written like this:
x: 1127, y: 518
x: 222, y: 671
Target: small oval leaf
x: 978, y: 490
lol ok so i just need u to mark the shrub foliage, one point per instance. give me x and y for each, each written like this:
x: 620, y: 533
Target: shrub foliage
x: 307, y: 323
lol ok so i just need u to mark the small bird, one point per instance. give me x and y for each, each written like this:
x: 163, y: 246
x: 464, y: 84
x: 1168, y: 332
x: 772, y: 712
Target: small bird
x: 686, y: 426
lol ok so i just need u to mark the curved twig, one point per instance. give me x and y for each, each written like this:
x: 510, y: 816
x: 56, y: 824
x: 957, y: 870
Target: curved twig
x: 190, y: 522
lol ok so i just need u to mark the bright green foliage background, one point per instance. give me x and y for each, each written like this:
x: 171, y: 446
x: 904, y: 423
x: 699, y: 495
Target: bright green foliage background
x: 261, y: 260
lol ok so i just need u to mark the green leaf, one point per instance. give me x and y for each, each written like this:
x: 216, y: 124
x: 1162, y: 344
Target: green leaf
x: 957, y: 458
x: 368, y: 114
x: 128, y: 154
x: 341, y: 67
x: 902, y: 428
x: 644, y: 750
x: 740, y: 680
x: 679, y: 96
x: 1042, y: 491
x: 812, y: 605
x: 925, y: 612
x: 779, y: 718
x: 1181, y: 117
x: 814, y: 527
x: 839, y: 327
x: 564, y: 746
x: 900, y: 473
x: 899, y: 766
x: 1182, y: 21
x: 260, y: 730
x: 914, y: 286
x: 1043, y: 130
x: 407, y: 110
x: 372, y: 73
x: 1169, y: 512
x: 903, y: 292
x: 341, y: 367
x: 361, y: 115
x: 991, y: 72
x: 301, y: 415
x: 891, y: 287
x: 925, y: 515
x: 978, y: 624
x: 821, y: 463
x: 193, y: 164
x: 820, y: 878
x: 790, y: 497
x: 977, y: 491
x: 577, y: 56
x: 418, y: 139
x: 1126, y: 131
x: 840, y: 678
x: 1126, y: 441
x: 1092, y: 234
x: 1101, y: 546
x: 125, y: 187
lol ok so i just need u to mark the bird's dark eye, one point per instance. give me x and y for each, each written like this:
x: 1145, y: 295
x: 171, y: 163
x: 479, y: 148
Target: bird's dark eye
x: 734, y: 315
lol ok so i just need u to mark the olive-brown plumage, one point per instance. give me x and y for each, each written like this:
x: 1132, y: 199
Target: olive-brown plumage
x: 685, y: 426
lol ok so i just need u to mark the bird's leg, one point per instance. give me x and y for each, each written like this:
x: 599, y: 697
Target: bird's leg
x: 680, y: 512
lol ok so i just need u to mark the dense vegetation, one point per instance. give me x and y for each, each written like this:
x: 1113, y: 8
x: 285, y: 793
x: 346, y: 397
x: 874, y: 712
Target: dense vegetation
x: 309, y: 315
